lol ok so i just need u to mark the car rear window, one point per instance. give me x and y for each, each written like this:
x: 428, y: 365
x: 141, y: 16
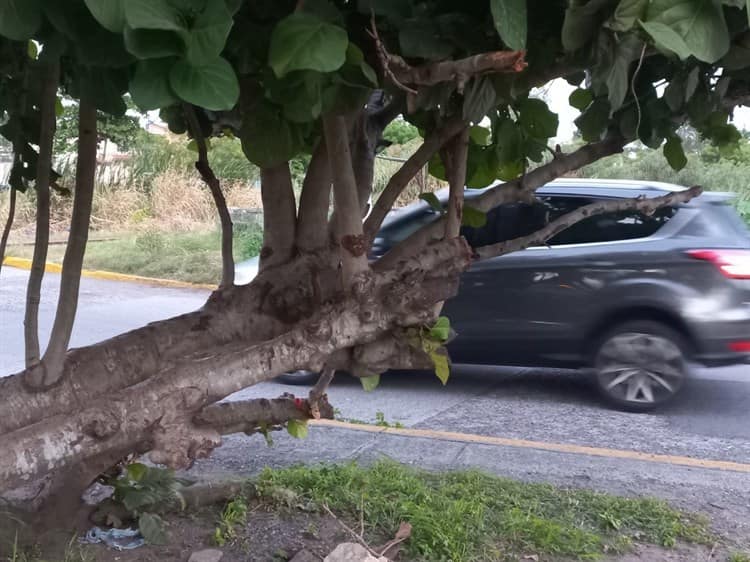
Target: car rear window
x: 729, y: 216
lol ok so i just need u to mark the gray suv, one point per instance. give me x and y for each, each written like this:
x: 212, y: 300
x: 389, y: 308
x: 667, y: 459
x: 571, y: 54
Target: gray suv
x: 636, y: 298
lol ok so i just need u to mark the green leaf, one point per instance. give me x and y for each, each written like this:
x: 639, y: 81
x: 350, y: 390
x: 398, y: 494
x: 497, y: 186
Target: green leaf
x: 536, y: 119
x: 370, y: 383
x: 617, y: 78
x: 135, y: 471
x: 473, y: 217
x: 509, y: 17
x: 134, y: 499
x: 212, y: 85
x: 627, y: 13
x: 580, y: 98
x: 479, y: 98
x: 421, y: 38
x: 674, y: 94
x: 208, y: 34
x: 582, y: 22
x: 431, y: 199
x: 304, y: 42
x: 31, y: 50
x: 594, y: 121
x: 699, y: 24
x: 19, y: 19
x: 109, y: 13
x: 154, y: 14
x: 667, y: 38
x: 355, y: 57
x: 480, y: 135
x: 442, y: 366
x: 149, y: 87
x: 441, y: 330
x: 297, y: 428
x: 674, y: 153
x: 59, y: 109
x: 153, y: 43
x: 269, y: 139
x: 153, y: 528
x: 691, y: 83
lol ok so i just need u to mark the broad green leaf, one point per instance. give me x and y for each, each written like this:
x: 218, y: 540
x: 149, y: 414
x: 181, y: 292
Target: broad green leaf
x: 135, y: 471
x: 480, y: 135
x: 323, y: 9
x: 738, y: 56
x: 509, y: 17
x: 509, y: 150
x: 153, y: 43
x: 59, y: 109
x: 667, y: 38
x: 149, y: 87
x: 269, y: 139
x: 153, y: 528
x: 303, y: 42
x: 473, y: 217
x: 594, y: 121
x: 32, y: 50
x: 582, y: 22
x: 626, y: 51
x: 370, y: 383
x: 536, y: 119
x: 297, y: 428
x: 441, y: 330
x: 105, y: 87
x: 442, y: 366
x: 699, y: 23
x: 422, y: 38
x: 154, y: 14
x: 674, y: 153
x: 109, y: 13
x: 134, y: 499
x: 580, y: 98
x: 19, y: 19
x: 691, y: 83
x: 207, y: 36
x: 627, y: 13
x: 212, y: 85
x: 481, y: 166
x: 431, y: 199
x: 479, y: 98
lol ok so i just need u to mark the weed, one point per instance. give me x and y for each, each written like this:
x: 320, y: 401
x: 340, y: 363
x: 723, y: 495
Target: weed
x: 381, y: 421
x: 470, y: 516
x: 738, y: 557
x: 233, y: 514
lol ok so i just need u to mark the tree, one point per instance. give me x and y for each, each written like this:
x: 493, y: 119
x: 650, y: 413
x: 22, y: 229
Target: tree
x: 325, y: 79
x: 123, y: 130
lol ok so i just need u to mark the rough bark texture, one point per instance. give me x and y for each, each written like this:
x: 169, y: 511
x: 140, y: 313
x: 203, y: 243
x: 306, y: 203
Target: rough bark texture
x: 279, y: 215
x: 454, y: 156
x: 214, y: 186
x: 8, y: 224
x: 315, y: 202
x: 41, y: 236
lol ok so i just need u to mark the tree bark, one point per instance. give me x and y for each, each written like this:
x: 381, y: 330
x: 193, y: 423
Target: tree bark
x: 51, y: 368
x: 8, y: 225
x: 41, y: 236
x: 279, y: 216
x: 214, y: 186
x: 315, y: 202
x: 454, y: 156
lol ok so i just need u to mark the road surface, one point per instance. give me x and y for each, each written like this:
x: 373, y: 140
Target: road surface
x: 530, y: 409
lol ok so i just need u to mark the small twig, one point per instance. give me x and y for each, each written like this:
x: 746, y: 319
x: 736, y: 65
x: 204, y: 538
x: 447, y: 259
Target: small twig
x: 632, y: 89
x: 713, y: 550
x: 386, y: 58
x: 318, y: 391
x: 362, y: 515
x: 353, y: 533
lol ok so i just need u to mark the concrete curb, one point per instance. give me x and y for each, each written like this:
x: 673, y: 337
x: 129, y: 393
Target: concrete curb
x: 23, y: 263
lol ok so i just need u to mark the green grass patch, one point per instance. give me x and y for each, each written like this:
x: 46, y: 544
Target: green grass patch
x: 472, y: 516
x: 185, y: 256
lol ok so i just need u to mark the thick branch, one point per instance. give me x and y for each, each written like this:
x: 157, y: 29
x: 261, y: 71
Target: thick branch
x: 8, y: 224
x: 348, y: 228
x: 645, y: 205
x: 314, y: 203
x: 279, y: 215
x: 258, y: 415
x: 454, y: 156
x: 51, y: 368
x: 516, y: 190
x: 41, y: 237
x: 210, y: 179
x: 457, y: 70
x: 406, y: 173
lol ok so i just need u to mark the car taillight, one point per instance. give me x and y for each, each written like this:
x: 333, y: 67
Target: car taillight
x: 740, y: 346
x: 734, y: 264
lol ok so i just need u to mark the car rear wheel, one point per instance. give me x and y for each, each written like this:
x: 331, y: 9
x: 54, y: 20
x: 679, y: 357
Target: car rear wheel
x: 640, y: 365
x: 299, y: 377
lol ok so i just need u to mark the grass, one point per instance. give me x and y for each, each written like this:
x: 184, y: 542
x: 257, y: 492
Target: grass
x: 471, y: 516
x: 184, y: 256
x: 233, y: 514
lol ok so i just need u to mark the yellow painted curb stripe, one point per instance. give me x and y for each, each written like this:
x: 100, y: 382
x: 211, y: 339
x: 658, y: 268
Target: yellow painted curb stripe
x: 540, y: 445
x: 23, y: 263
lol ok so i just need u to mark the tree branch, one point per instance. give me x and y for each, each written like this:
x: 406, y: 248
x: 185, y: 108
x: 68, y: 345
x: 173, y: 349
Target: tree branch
x: 519, y: 189
x: 279, y: 215
x: 210, y: 179
x: 318, y: 398
x: 8, y: 225
x: 406, y: 173
x: 50, y: 369
x: 348, y: 227
x: 645, y: 205
x: 315, y: 202
x: 454, y: 156
x: 41, y: 236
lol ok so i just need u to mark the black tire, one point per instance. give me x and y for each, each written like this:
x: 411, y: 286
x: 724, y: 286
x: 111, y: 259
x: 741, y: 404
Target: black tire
x: 640, y: 365
x: 299, y: 378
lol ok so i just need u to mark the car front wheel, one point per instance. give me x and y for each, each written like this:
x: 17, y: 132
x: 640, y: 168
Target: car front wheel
x: 299, y: 378
x: 640, y: 365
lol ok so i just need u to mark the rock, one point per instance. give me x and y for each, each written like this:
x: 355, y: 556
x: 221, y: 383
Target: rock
x: 352, y: 552
x: 305, y: 556
x: 208, y: 555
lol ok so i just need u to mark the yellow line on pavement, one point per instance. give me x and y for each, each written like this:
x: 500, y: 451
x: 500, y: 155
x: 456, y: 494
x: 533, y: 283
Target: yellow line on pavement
x: 23, y: 263
x: 540, y: 445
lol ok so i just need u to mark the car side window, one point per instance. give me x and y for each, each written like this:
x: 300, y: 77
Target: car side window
x: 507, y: 222
x: 607, y: 227
x: 401, y: 230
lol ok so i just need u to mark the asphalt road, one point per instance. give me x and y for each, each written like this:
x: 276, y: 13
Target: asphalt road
x: 710, y: 420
